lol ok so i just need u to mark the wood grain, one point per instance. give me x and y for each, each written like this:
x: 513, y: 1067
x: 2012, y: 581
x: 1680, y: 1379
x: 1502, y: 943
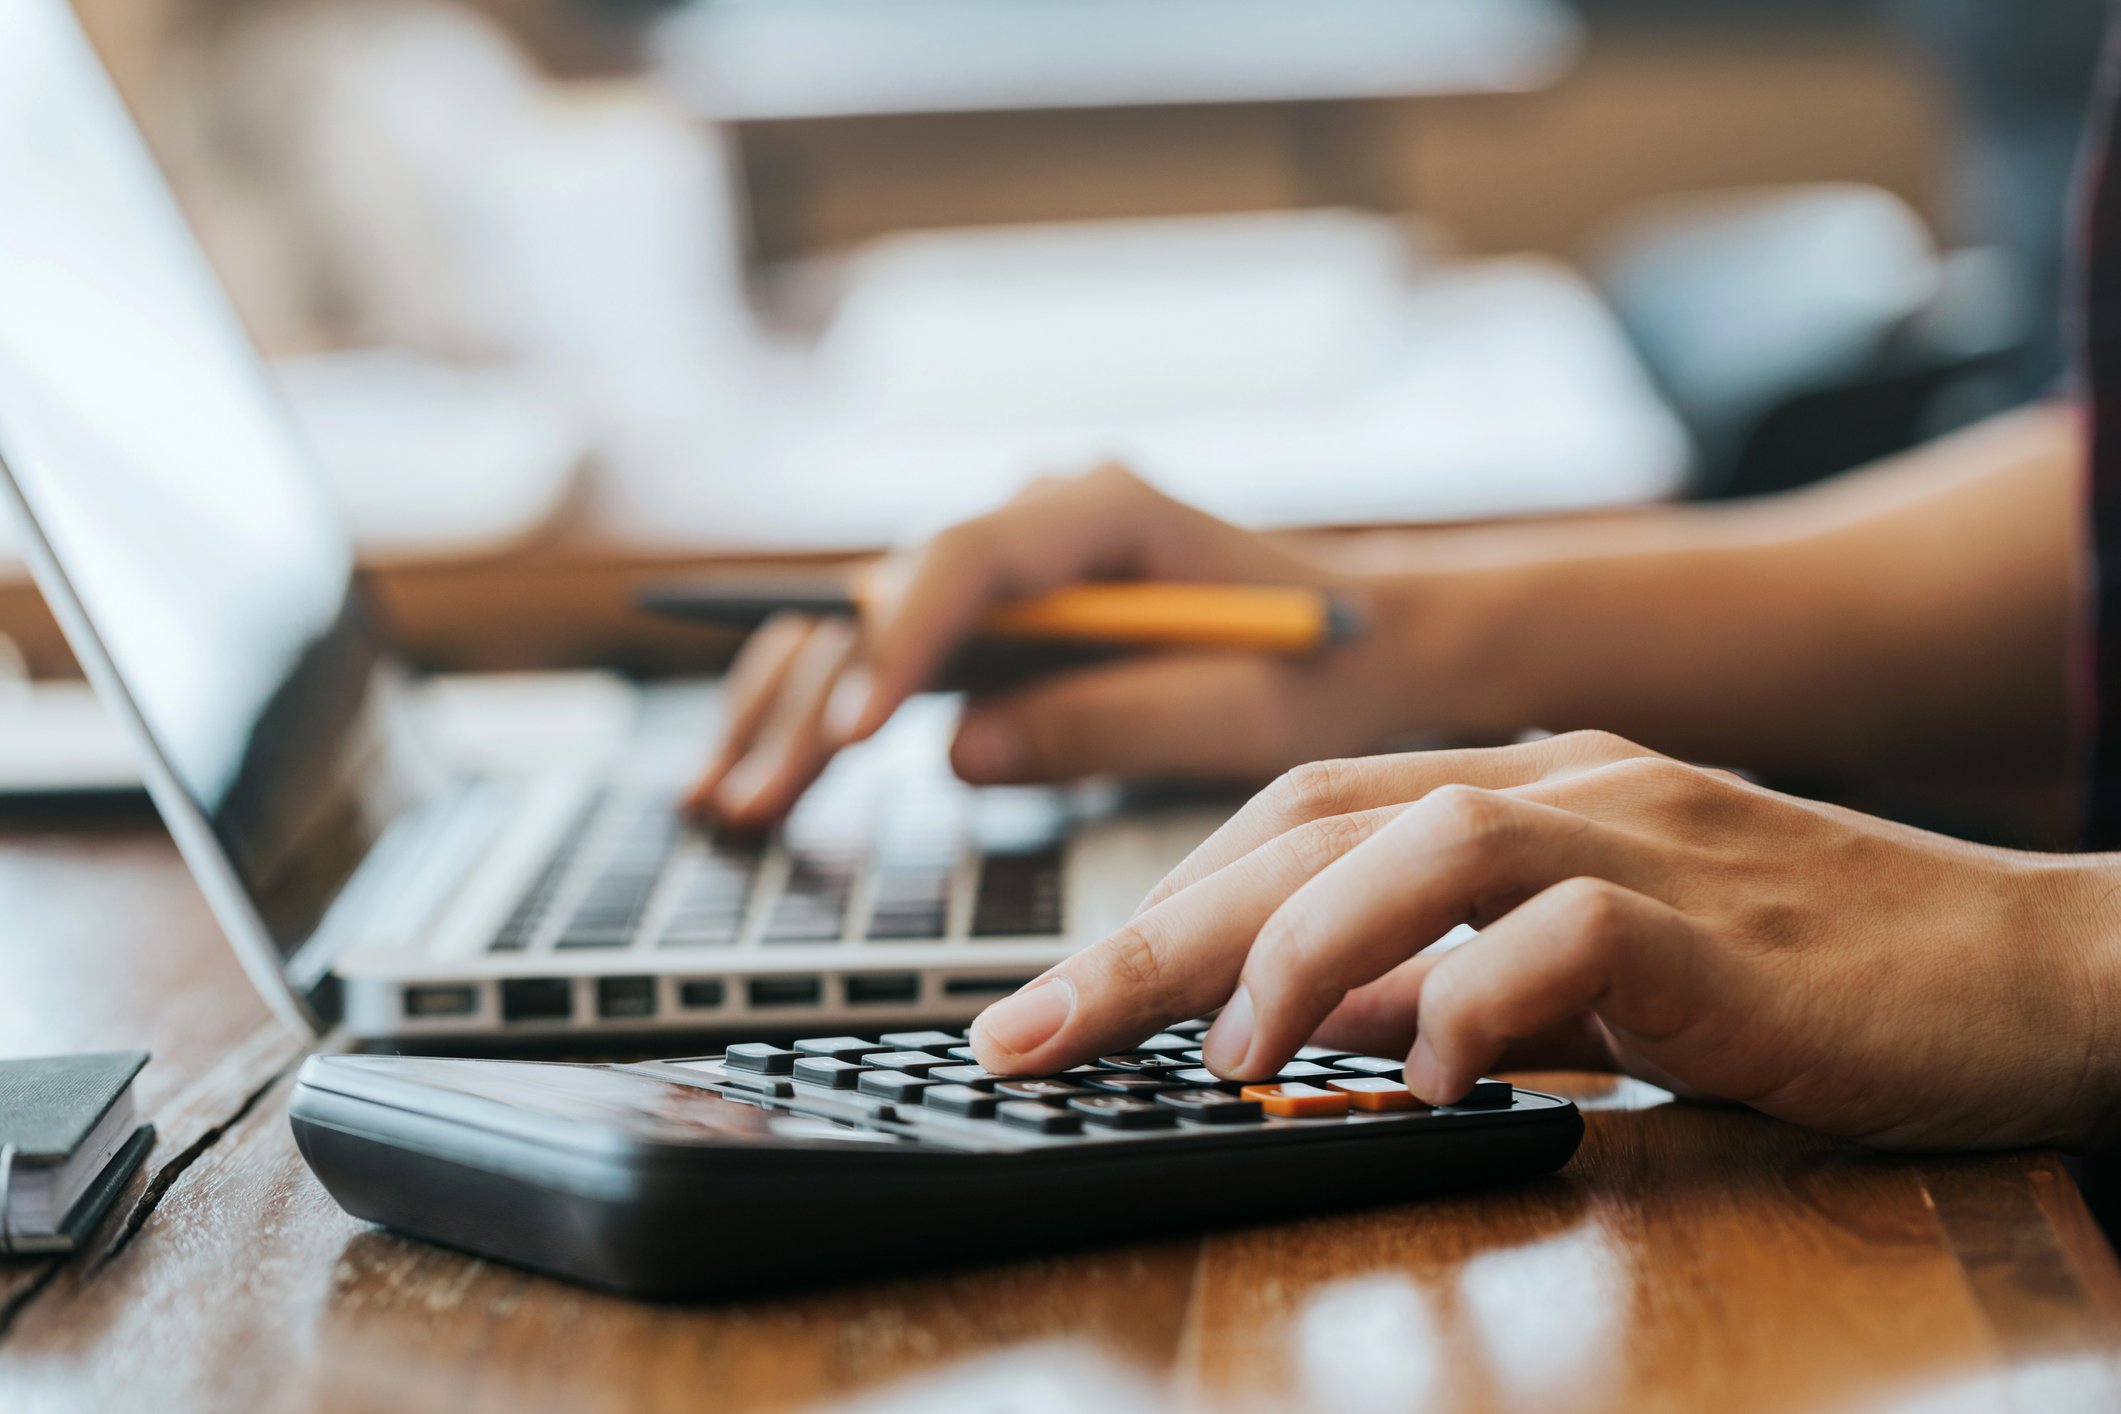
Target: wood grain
x: 1690, y: 1258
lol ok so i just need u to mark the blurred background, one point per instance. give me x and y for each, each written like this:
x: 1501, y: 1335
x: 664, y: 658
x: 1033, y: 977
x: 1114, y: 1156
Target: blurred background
x: 560, y: 289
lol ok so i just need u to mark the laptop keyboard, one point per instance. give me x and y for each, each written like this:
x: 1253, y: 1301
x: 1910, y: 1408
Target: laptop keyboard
x: 928, y: 1077
x: 866, y: 855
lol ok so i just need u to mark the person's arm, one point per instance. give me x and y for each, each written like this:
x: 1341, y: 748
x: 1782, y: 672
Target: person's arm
x: 1636, y: 913
x: 1898, y: 617
x: 1887, y: 619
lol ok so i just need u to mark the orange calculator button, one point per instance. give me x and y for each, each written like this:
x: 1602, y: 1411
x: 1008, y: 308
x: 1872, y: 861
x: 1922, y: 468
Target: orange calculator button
x: 1374, y: 1092
x: 1296, y: 1100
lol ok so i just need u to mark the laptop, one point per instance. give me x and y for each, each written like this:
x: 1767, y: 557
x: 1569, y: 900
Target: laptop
x: 367, y: 877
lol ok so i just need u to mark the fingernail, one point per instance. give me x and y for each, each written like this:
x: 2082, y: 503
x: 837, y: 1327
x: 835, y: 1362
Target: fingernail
x: 987, y: 749
x: 1230, y: 1038
x: 1424, y: 1071
x: 848, y: 706
x: 1026, y: 1021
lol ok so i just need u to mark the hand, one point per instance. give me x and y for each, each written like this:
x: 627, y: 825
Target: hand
x: 801, y: 688
x: 1674, y: 923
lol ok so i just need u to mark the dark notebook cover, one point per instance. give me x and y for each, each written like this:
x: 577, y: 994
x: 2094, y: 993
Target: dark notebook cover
x: 48, y: 1104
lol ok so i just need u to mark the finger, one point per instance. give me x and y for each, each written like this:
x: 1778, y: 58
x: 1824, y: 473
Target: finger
x: 1105, y: 524
x: 790, y: 748
x: 754, y: 682
x: 1458, y: 855
x: 1336, y: 787
x: 1581, y: 944
x: 1167, y: 715
x: 1173, y: 962
x: 1382, y: 1018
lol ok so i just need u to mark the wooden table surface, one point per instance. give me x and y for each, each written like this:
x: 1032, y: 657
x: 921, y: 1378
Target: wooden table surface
x: 1688, y: 1259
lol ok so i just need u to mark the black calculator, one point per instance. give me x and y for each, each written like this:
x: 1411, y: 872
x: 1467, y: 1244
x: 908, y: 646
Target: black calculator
x: 771, y: 1166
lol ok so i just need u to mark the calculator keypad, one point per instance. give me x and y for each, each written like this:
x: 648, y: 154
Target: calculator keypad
x: 929, y: 1081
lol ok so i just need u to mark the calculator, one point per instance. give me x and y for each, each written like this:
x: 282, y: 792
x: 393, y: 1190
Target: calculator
x: 771, y: 1166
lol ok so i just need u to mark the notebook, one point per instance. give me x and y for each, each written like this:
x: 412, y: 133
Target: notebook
x: 69, y: 1138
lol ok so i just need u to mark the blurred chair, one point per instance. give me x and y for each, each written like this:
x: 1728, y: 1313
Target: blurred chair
x: 1802, y: 331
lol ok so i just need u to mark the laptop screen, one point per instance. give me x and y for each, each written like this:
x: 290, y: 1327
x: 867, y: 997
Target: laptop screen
x: 137, y: 424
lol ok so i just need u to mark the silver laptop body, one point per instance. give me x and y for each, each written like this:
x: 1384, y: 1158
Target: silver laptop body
x: 364, y: 875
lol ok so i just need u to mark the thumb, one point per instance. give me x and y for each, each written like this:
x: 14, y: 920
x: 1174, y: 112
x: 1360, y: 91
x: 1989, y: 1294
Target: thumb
x: 1212, y: 716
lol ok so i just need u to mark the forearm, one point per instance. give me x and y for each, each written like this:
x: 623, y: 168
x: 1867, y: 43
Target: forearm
x: 1899, y: 618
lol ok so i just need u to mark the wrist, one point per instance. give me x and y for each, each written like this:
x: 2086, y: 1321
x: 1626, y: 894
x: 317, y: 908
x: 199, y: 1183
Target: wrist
x: 1440, y: 651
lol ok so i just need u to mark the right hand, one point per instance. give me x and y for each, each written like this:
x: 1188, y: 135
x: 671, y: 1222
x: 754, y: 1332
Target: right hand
x: 803, y: 688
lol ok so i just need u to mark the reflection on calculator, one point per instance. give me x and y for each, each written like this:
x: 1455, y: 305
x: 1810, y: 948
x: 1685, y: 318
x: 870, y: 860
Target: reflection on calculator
x: 839, y: 1156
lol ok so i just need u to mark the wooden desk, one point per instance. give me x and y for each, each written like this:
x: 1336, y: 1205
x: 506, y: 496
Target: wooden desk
x: 1688, y: 1259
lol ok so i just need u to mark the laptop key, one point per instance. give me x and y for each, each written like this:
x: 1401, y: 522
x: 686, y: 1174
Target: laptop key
x: 759, y: 1058
x: 823, y: 1070
x: 959, y: 1100
x: 1122, y: 1112
x: 1210, y: 1106
x: 1039, y: 1118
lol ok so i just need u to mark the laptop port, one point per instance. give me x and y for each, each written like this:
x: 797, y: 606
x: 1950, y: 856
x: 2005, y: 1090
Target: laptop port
x: 440, y: 1001
x: 884, y: 989
x: 985, y: 986
x: 625, y: 996
x: 700, y: 993
x: 784, y: 991
x: 537, y: 999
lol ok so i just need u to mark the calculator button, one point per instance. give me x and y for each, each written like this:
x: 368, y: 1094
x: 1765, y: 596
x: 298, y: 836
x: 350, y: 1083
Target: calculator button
x: 1045, y: 1119
x: 1122, y: 1112
x: 1294, y: 1070
x: 1371, y: 1065
x: 1376, y: 1092
x: 1321, y: 1053
x: 824, y: 1070
x: 893, y: 1085
x: 1202, y: 1079
x: 1210, y: 1106
x: 759, y: 1058
x: 963, y: 1053
x: 1119, y: 1083
x: 1037, y: 1088
x: 1486, y: 1095
x: 922, y: 1040
x: 977, y: 1076
x: 1136, y: 1060
x: 1297, y: 1100
x: 959, y: 1100
x: 1188, y: 1028
x: 1165, y: 1041
x: 911, y: 1062
x: 844, y: 1048
x: 759, y: 1084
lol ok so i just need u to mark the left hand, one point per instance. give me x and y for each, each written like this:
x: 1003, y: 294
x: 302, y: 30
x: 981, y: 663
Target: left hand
x: 1679, y: 924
